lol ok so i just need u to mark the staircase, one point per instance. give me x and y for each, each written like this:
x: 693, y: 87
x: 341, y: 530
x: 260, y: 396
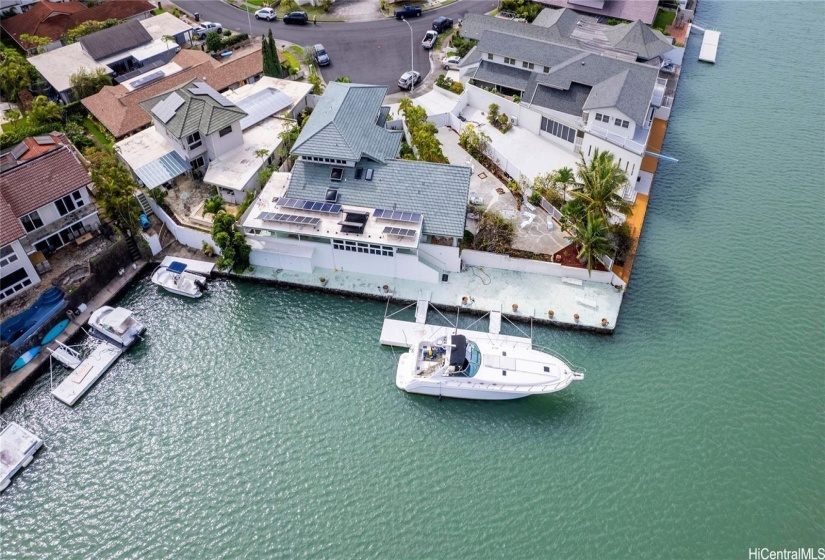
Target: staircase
x: 131, y: 245
x: 144, y: 202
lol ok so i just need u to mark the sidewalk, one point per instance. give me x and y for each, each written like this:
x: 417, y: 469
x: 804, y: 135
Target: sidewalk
x: 11, y: 385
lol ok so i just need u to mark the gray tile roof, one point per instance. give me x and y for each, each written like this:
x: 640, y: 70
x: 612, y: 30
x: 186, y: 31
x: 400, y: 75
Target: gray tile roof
x: 472, y: 58
x: 639, y: 38
x: 561, y: 22
x: 541, y: 53
x: 502, y: 75
x: 569, y: 101
x: 344, y: 125
x: 201, y: 111
x: 437, y: 191
x: 119, y: 38
x: 473, y: 26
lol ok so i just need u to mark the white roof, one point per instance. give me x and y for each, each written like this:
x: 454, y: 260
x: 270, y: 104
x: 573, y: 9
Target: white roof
x: 57, y: 66
x: 234, y: 169
x: 296, y: 91
x: 144, y: 147
x: 164, y: 24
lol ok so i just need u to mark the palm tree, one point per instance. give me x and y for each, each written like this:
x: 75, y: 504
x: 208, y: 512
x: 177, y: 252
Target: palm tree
x: 591, y: 239
x: 601, y: 182
x: 566, y: 177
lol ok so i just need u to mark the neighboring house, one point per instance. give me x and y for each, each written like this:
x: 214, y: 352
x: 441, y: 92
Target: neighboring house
x: 197, y: 128
x: 45, y: 204
x: 630, y: 10
x: 129, y: 50
x: 581, y: 86
x: 118, y: 108
x: 350, y: 203
x: 53, y: 20
x: 20, y: 6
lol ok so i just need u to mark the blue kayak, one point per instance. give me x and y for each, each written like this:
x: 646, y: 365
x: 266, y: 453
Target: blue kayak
x: 54, y: 332
x: 25, y: 358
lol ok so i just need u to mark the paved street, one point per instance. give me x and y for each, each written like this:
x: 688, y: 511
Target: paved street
x: 373, y: 52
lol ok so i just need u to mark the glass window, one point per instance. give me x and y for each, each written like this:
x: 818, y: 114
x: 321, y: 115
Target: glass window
x: 194, y: 140
x: 489, y: 56
x: 529, y: 65
x: 546, y: 69
x: 198, y: 162
x: 7, y: 255
x: 69, y: 203
x: 224, y: 131
x: 31, y: 221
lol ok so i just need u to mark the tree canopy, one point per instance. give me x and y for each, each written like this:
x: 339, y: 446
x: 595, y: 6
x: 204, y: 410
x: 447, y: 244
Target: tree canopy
x: 15, y: 74
x: 114, y: 189
x: 85, y: 82
x: 45, y: 112
x: 235, y: 250
x: 269, y: 51
x: 88, y: 27
x: 422, y: 133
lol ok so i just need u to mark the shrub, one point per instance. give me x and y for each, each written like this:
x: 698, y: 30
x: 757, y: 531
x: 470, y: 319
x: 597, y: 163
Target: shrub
x: 77, y: 135
x: 213, y: 205
x: 504, y: 123
x: 226, y: 33
x: 247, y: 202
x: 265, y: 174
x: 208, y: 249
x: 234, y: 248
x: 495, y: 234
x: 457, y: 87
x: 461, y: 45
x: 516, y: 99
x: 522, y: 8
x: 492, y: 114
x: 535, y: 199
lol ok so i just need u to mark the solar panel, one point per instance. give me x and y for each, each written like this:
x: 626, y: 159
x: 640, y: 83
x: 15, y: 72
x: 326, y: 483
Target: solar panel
x: 289, y: 219
x: 310, y: 205
x: 399, y: 232
x: 19, y: 150
x: 44, y: 140
x: 165, y: 110
x: 201, y: 88
x: 145, y: 79
x: 397, y: 216
x: 162, y: 170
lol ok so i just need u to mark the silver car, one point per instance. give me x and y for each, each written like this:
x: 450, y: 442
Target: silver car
x: 451, y: 62
x: 409, y: 79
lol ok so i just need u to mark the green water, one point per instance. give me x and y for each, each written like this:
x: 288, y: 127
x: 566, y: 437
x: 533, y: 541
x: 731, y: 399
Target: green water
x: 263, y: 422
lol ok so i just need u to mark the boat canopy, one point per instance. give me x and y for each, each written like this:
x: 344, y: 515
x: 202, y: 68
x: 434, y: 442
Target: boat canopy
x: 458, y: 350
x: 116, y: 319
x: 176, y: 267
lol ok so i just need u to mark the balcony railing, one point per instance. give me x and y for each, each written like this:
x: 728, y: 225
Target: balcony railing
x: 618, y: 139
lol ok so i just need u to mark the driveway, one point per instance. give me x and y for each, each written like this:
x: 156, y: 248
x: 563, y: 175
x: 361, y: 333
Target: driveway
x: 371, y: 52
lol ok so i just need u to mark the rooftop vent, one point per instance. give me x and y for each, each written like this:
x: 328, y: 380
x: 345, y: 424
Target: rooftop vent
x: 332, y: 195
x: 369, y: 174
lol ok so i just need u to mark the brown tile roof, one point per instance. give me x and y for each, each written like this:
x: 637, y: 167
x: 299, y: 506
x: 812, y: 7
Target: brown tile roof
x: 10, y: 228
x: 29, y: 148
x: 119, y: 110
x: 41, y: 180
x: 47, y: 19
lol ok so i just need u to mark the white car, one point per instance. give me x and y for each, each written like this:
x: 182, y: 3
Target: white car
x: 429, y: 39
x: 266, y: 13
x: 409, y: 79
x: 205, y: 28
x: 451, y: 62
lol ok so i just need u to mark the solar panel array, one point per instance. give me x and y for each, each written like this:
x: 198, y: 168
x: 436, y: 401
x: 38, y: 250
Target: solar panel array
x: 165, y: 110
x: 397, y: 216
x: 201, y: 88
x: 310, y: 205
x: 289, y: 219
x: 145, y: 79
x: 44, y: 140
x: 399, y: 232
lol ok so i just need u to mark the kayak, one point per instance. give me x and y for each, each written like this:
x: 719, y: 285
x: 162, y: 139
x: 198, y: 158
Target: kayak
x: 25, y: 358
x: 56, y: 330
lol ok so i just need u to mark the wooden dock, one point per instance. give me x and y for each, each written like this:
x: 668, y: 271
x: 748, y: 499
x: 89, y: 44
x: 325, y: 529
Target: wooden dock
x: 17, y: 449
x: 87, y: 373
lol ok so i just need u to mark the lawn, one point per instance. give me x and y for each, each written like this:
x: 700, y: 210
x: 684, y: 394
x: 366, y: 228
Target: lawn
x: 663, y: 19
x: 11, y: 126
x: 93, y: 129
x: 290, y: 59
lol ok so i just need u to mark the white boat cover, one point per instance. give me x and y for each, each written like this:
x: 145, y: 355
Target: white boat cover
x: 116, y: 319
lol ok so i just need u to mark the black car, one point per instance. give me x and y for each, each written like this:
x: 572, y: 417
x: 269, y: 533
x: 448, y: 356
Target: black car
x: 296, y: 18
x: 442, y: 24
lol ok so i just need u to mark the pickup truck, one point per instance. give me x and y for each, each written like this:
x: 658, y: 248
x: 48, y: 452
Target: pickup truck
x: 407, y: 12
x: 206, y: 27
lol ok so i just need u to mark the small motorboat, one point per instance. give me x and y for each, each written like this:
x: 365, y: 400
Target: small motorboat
x: 174, y: 278
x: 116, y: 325
x: 455, y: 366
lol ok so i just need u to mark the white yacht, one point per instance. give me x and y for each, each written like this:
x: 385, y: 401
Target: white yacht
x: 455, y: 366
x: 116, y: 325
x: 175, y: 279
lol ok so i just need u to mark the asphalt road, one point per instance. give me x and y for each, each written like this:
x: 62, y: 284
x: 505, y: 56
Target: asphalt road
x: 372, y: 52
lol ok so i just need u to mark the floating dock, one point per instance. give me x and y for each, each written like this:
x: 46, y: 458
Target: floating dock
x: 17, y: 449
x: 396, y: 332
x: 85, y: 375
x: 710, y: 43
x: 198, y: 267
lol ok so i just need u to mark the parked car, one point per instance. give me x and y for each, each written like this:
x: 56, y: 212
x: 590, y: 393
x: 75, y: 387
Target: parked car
x: 429, y: 39
x: 451, y: 62
x: 442, y: 24
x: 409, y: 79
x: 407, y: 11
x: 205, y: 28
x: 266, y: 13
x: 321, y: 55
x: 296, y: 18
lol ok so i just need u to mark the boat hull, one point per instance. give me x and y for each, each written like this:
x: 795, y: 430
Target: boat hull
x: 187, y: 286
x: 459, y: 393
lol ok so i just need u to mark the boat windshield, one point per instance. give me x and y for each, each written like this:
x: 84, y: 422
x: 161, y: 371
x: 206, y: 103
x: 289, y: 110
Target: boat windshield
x: 472, y: 359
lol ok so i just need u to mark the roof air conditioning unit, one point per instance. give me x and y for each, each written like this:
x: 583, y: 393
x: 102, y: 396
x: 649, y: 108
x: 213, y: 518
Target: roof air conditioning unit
x: 514, y: 121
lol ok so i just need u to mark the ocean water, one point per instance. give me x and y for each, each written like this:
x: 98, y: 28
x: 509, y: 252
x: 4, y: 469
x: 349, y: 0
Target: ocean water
x: 264, y: 422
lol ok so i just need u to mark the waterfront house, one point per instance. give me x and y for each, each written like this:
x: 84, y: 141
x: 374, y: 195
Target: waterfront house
x: 575, y: 84
x: 631, y: 10
x: 196, y: 128
x: 53, y: 19
x: 351, y: 204
x: 124, y: 51
x: 44, y: 205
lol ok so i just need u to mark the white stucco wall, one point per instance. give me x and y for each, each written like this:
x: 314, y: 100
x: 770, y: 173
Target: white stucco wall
x: 21, y: 260
x: 629, y: 161
x: 614, y: 114
x: 217, y: 145
x: 446, y: 258
x: 505, y: 262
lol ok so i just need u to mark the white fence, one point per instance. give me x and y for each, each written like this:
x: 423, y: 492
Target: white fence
x: 550, y: 209
x: 186, y: 236
x: 506, y: 262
